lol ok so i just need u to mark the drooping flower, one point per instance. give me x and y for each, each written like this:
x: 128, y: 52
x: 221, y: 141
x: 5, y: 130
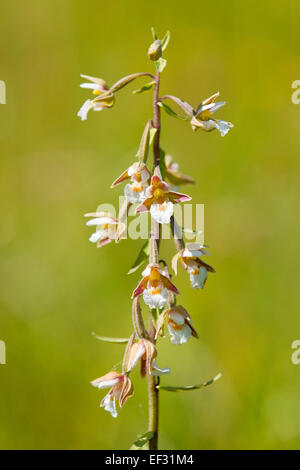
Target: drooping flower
x: 107, y: 228
x: 203, y: 116
x: 145, y: 351
x: 180, y: 325
x: 121, y: 389
x: 191, y: 262
x: 173, y: 176
x: 104, y: 96
x: 140, y: 176
x: 160, y: 200
x: 155, y: 287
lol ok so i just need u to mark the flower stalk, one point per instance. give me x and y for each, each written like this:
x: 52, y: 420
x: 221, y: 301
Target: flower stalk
x: 153, y: 391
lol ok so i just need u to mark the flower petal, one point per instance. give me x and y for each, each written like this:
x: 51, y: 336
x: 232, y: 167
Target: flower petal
x: 141, y: 287
x: 107, y: 380
x: 85, y: 108
x: 145, y: 206
x: 169, y: 285
x: 136, y: 353
x: 101, y: 221
x: 175, y: 261
x: 92, y: 86
x: 156, y: 371
x: 198, y: 280
x: 162, y: 213
x: 180, y: 335
x: 178, y: 197
x: 132, y: 195
x: 109, y: 404
x: 126, y: 392
x: 98, y: 235
x: 156, y: 300
x: 124, y: 176
x: 99, y: 81
x: 103, y: 242
x: 223, y: 127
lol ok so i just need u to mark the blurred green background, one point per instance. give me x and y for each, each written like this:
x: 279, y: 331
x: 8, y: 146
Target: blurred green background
x: 56, y: 287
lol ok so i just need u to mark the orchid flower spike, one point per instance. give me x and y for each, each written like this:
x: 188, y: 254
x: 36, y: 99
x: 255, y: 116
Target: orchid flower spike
x: 203, y: 116
x: 145, y: 351
x: 107, y: 228
x: 173, y: 176
x: 140, y: 176
x: 104, y: 96
x: 155, y: 287
x: 191, y: 262
x: 160, y: 200
x: 121, y: 389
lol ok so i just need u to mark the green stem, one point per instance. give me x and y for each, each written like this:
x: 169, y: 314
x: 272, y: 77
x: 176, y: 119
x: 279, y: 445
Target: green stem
x: 153, y: 392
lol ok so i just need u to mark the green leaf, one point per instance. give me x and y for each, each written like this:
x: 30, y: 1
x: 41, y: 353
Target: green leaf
x: 110, y: 340
x: 142, y: 441
x: 189, y: 387
x: 170, y: 111
x: 153, y: 131
x: 154, y: 35
x: 162, y: 163
x: 146, y: 87
x: 142, y: 257
x: 160, y: 64
x: 165, y: 40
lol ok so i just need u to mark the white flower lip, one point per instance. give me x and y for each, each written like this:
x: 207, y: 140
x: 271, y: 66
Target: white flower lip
x: 198, y: 280
x: 109, y: 404
x: 162, y: 213
x: 134, y: 196
x: 180, y: 336
x: 156, y: 371
x: 176, y: 317
x: 156, y: 300
x: 98, y: 235
x: 85, y: 108
x: 223, y: 127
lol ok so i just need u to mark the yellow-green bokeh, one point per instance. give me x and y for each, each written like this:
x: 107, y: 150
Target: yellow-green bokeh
x: 56, y: 287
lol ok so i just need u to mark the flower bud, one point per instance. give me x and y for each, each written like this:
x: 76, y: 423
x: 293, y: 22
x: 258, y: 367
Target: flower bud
x: 154, y: 51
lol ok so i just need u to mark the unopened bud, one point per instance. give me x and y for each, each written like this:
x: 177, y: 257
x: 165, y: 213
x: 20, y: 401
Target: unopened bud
x: 154, y: 51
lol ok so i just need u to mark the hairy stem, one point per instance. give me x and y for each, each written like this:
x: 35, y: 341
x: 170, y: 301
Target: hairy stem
x: 177, y: 234
x: 153, y: 393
